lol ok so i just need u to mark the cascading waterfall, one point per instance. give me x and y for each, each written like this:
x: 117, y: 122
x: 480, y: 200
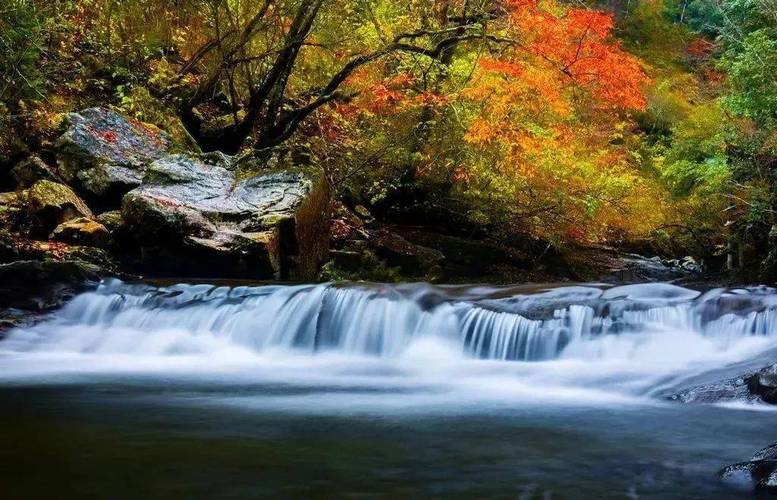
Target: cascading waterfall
x: 623, y: 338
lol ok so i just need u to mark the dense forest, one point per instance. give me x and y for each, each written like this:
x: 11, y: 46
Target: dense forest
x: 540, y: 125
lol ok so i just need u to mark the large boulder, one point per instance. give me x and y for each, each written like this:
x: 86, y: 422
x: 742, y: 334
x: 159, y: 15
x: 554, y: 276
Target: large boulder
x: 106, y: 153
x: 195, y: 215
x: 50, y: 204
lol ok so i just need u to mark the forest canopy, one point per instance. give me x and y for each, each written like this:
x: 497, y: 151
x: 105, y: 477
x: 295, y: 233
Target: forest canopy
x: 650, y: 122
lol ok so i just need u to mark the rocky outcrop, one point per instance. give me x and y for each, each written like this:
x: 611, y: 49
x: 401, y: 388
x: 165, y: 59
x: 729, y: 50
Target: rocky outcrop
x: 50, y: 204
x: 601, y: 263
x: 105, y: 153
x: 199, y: 212
x: 13, y: 210
x: 759, y: 473
x: 412, y: 259
x: 111, y: 220
x: 365, y: 248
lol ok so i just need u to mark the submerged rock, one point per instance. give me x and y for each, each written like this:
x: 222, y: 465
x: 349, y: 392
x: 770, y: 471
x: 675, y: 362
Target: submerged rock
x: 752, y: 386
x: 758, y: 474
x: 196, y: 210
x: 764, y: 384
x: 106, y: 153
x: 51, y: 204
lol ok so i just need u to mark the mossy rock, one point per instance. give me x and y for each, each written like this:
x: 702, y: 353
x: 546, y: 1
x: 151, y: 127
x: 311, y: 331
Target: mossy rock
x: 50, y: 204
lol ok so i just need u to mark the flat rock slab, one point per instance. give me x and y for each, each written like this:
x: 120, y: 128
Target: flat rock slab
x: 200, y: 207
x: 213, y: 190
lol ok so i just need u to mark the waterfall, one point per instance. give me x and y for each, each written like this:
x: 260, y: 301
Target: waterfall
x: 383, y: 321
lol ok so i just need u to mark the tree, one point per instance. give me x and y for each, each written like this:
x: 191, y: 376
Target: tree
x: 550, y: 110
x: 270, y: 108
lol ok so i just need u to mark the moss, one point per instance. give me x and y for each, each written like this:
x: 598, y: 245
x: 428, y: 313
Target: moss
x: 52, y: 194
x: 51, y: 204
x: 370, y: 268
x: 111, y: 220
x: 273, y: 220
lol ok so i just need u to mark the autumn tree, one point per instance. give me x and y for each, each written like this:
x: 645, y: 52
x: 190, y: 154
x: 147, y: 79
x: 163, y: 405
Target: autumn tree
x: 551, y: 112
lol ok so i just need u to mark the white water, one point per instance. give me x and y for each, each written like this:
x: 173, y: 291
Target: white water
x: 564, y: 344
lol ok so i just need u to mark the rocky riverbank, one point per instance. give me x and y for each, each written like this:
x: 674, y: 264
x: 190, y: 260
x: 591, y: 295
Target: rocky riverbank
x: 123, y: 190
x: 125, y: 196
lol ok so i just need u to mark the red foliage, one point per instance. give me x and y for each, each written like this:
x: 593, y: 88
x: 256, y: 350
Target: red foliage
x: 700, y: 48
x: 166, y: 201
x: 579, y: 44
x: 108, y: 136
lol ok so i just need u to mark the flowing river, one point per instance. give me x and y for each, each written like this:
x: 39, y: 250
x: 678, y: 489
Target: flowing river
x: 202, y: 391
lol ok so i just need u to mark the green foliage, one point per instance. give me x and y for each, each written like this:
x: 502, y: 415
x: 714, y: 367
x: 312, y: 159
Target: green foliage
x: 371, y: 269
x: 700, y: 136
x: 752, y: 70
x: 22, y: 32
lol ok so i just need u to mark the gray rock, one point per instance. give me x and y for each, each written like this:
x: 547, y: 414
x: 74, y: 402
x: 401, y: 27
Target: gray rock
x: 197, y: 208
x: 768, y: 453
x: 106, y: 153
x: 689, y: 264
x: 754, y: 385
x: 734, y: 389
x: 33, y: 169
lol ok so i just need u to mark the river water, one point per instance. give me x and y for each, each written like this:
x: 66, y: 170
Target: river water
x: 374, y: 390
